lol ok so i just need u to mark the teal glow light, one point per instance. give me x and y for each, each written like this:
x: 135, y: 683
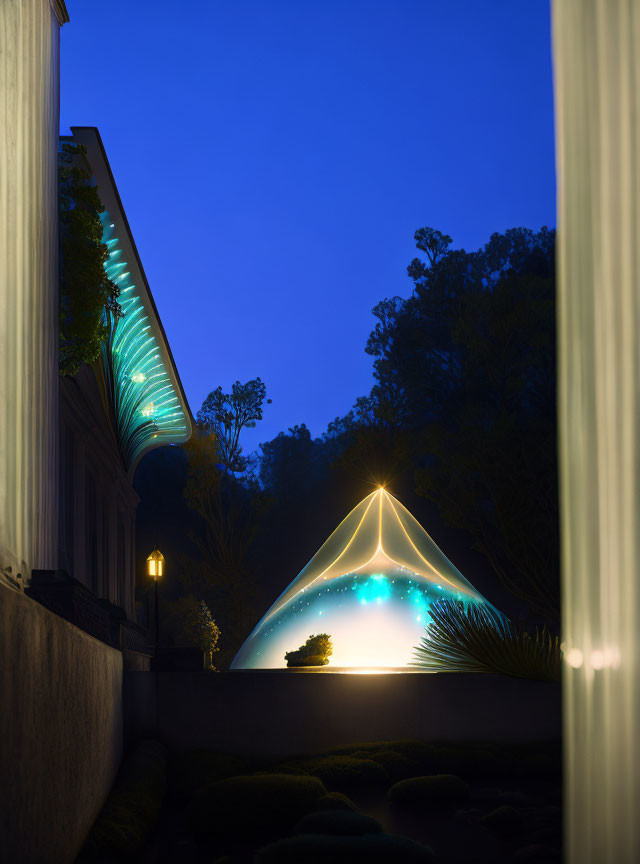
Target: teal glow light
x: 376, y: 589
x: 148, y: 410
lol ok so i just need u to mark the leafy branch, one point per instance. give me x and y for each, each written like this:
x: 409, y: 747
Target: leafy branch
x: 85, y: 289
x: 480, y: 639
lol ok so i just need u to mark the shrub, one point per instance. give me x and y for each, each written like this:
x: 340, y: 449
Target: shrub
x: 438, y: 790
x: 396, y: 765
x: 418, y: 751
x: 367, y: 849
x: 505, y: 821
x: 132, y: 808
x: 315, y: 652
x: 334, y: 801
x: 191, y: 623
x: 341, y: 823
x: 341, y: 772
x: 479, y: 639
x: 470, y: 762
x: 411, y: 758
x: 422, y: 758
x: 193, y: 769
x: 256, y: 806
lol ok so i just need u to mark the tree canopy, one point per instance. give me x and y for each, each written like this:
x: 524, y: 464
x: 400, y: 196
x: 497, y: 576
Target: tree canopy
x: 469, y: 361
x: 227, y: 414
x: 460, y: 420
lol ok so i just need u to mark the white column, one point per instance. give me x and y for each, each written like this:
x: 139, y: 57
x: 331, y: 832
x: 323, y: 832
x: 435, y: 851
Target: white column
x: 597, y: 89
x: 29, y: 109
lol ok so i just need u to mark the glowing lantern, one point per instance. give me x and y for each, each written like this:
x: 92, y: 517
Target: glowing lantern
x: 155, y: 568
x: 155, y: 564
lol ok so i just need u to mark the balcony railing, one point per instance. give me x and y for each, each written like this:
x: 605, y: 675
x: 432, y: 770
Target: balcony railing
x: 71, y: 600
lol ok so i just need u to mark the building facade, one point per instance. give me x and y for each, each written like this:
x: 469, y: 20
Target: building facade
x: 114, y: 412
x: 68, y: 451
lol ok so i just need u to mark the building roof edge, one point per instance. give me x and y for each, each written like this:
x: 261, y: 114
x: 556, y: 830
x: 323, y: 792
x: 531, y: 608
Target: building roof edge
x: 96, y: 131
x: 60, y: 9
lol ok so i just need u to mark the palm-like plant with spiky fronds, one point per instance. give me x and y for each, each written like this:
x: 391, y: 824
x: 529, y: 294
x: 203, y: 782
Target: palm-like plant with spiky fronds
x: 477, y: 638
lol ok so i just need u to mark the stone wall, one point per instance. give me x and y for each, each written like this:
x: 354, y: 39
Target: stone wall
x: 60, y: 731
x: 284, y: 712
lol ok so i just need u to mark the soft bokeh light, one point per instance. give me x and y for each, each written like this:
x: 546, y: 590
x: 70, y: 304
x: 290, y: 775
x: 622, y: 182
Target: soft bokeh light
x: 574, y: 658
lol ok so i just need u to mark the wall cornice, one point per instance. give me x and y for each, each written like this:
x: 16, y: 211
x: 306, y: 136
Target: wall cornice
x: 60, y: 10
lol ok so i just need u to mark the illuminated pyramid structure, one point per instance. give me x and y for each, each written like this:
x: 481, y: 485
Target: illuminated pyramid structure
x: 370, y: 587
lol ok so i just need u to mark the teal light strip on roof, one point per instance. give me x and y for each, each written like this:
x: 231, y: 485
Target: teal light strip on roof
x: 148, y: 410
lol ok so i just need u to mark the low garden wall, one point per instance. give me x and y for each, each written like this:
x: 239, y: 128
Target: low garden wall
x: 60, y: 731
x: 139, y: 705
x: 286, y: 712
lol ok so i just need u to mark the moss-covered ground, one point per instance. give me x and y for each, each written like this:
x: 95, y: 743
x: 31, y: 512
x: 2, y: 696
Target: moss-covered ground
x: 387, y: 801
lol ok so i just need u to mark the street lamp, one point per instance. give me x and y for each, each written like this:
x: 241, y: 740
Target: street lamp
x: 155, y: 568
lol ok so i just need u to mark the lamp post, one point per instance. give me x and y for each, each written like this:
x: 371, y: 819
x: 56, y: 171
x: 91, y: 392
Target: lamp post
x: 155, y: 568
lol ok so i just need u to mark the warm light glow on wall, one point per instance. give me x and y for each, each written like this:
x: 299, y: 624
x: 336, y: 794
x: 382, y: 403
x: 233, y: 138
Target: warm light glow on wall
x: 370, y: 587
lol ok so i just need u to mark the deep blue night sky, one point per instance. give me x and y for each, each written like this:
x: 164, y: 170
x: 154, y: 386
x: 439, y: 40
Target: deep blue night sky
x: 275, y: 157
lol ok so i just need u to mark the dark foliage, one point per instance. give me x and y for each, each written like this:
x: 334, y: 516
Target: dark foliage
x: 227, y: 414
x: 438, y: 790
x: 85, y: 290
x: 222, y: 569
x: 258, y: 806
x: 460, y: 422
x: 192, y: 770
x: 478, y: 639
x: 334, y: 801
x: 396, y: 765
x: 506, y: 821
x: 341, y: 823
x: 132, y: 809
x: 367, y: 849
x: 237, y: 814
x: 468, y: 361
x: 340, y: 771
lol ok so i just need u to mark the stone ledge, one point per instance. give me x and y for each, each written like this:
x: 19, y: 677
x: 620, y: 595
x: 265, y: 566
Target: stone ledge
x: 286, y: 712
